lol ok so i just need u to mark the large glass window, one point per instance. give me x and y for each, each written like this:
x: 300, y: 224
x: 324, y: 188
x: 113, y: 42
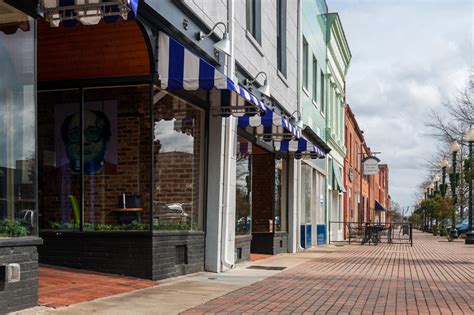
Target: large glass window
x: 116, y: 158
x: 243, y: 187
x: 94, y: 158
x: 17, y: 123
x: 59, y: 176
x: 178, y: 138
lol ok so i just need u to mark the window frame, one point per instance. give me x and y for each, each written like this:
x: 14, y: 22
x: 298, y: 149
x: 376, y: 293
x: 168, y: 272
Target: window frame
x: 253, y: 20
x: 281, y: 36
x: 315, y: 80
x: 305, y: 64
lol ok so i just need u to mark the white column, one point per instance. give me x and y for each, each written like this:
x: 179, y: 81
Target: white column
x: 215, y: 183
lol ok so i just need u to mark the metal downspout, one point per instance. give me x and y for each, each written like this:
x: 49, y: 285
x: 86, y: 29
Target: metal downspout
x: 227, y: 145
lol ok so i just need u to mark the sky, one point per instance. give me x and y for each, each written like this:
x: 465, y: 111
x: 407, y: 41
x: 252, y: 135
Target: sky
x: 408, y: 57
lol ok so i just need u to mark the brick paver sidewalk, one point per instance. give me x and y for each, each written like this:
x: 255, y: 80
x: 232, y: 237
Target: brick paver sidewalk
x: 432, y: 277
x: 63, y: 286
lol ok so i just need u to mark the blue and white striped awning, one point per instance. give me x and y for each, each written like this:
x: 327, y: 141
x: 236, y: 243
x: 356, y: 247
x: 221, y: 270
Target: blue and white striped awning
x: 277, y: 126
x: 88, y: 12
x: 180, y: 69
x: 301, y: 146
x: 270, y: 123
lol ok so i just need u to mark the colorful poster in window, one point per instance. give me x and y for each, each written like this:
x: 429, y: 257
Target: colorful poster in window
x: 100, y: 137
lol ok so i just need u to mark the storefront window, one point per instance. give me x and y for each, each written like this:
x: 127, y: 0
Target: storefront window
x: 96, y: 159
x: 59, y: 179
x: 281, y: 177
x: 178, y: 165
x: 116, y: 158
x: 17, y: 124
x: 243, y: 193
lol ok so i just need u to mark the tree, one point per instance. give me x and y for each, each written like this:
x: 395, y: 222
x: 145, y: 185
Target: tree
x: 450, y: 125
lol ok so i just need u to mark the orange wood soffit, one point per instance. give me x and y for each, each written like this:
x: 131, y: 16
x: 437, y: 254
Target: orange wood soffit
x: 93, y: 51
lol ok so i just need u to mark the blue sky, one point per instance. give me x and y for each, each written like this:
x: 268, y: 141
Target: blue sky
x: 408, y: 56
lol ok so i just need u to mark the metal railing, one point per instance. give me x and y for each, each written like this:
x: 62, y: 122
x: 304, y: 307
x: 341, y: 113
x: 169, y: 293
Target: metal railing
x: 370, y: 233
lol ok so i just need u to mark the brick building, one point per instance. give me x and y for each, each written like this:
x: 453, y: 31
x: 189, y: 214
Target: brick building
x: 367, y: 197
x: 356, y: 198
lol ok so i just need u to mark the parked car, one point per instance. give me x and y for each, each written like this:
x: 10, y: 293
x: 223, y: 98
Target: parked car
x: 462, y: 227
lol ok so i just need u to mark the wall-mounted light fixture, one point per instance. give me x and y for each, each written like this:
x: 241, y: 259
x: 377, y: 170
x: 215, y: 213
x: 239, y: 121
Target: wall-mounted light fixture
x: 265, y: 88
x: 222, y: 45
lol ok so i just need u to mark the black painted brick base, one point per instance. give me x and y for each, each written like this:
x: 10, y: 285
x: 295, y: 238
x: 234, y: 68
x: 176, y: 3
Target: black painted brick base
x: 118, y: 253
x: 135, y: 254
x: 165, y: 264
x: 270, y: 243
x: 244, y: 243
x: 23, y: 294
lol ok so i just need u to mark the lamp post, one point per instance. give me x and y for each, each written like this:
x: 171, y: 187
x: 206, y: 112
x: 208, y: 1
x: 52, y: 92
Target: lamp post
x: 430, y: 214
x: 444, y: 165
x: 436, y: 182
x: 454, y: 151
x: 470, y: 233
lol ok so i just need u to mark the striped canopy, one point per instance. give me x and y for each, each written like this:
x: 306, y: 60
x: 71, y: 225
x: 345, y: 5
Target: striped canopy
x: 300, y: 145
x: 180, y: 69
x: 270, y: 123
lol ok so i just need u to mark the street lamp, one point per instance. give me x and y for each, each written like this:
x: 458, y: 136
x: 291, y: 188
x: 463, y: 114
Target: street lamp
x: 470, y: 233
x: 444, y: 165
x: 436, y: 181
x: 454, y: 151
x: 430, y: 215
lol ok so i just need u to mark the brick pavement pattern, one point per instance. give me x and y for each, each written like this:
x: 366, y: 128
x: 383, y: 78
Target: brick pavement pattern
x: 432, y: 277
x: 64, y: 286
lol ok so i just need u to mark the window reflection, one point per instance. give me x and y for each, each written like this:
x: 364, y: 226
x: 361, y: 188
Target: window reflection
x: 17, y: 123
x: 243, y: 183
x: 178, y: 147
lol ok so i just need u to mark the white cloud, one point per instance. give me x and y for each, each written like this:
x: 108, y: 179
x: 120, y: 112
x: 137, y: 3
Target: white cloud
x: 408, y: 58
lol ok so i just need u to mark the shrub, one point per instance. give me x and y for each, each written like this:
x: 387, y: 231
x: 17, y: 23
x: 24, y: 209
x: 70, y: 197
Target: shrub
x: 12, y: 228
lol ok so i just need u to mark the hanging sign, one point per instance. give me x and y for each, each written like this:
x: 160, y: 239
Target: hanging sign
x: 371, y: 165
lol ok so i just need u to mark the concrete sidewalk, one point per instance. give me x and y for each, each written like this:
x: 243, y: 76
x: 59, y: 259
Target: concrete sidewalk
x: 176, y: 295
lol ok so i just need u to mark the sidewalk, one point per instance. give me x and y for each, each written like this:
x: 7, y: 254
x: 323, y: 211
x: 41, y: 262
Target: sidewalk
x: 176, y: 295
x: 432, y: 277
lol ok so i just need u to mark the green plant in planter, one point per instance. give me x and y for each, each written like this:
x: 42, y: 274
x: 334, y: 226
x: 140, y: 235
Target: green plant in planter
x: 462, y: 236
x: 450, y: 238
x: 12, y: 228
x: 435, y: 230
x: 175, y: 226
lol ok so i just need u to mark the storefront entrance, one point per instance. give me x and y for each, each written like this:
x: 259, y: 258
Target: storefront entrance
x: 261, y: 206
